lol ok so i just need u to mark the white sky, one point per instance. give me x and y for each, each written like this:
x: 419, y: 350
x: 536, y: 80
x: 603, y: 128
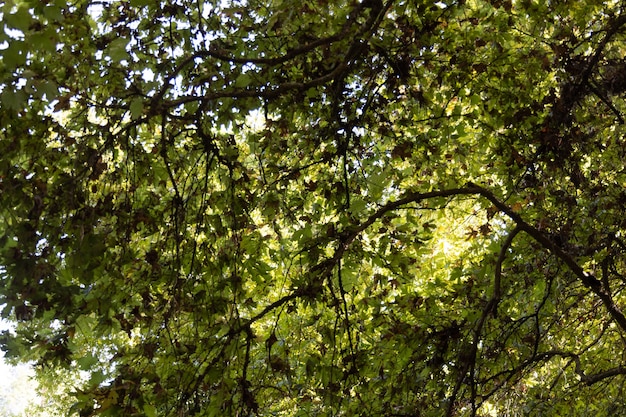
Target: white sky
x: 17, y: 388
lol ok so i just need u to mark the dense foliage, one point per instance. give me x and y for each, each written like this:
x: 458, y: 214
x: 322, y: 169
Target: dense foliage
x: 395, y: 207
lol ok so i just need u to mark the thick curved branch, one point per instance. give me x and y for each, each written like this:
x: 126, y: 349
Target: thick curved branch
x: 586, y: 379
x: 613, y: 28
x: 322, y: 270
x: 587, y: 279
x: 471, y: 189
x: 606, y: 100
x: 262, y: 92
x: 592, y: 379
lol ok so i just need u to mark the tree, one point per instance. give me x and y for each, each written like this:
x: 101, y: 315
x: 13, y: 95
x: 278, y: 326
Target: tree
x: 313, y: 208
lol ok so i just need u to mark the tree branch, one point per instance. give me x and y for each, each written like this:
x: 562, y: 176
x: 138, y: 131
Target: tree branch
x: 471, y: 189
x: 587, y: 279
x: 497, y: 279
x: 222, y: 55
x: 592, y: 379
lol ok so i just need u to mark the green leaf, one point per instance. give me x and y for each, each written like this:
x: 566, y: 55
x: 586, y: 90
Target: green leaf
x: 53, y: 13
x: 49, y: 89
x: 12, y: 99
x: 97, y: 377
x: 21, y: 19
x: 243, y: 81
x: 357, y: 206
x: 87, y: 362
x: 14, y: 56
x: 117, y: 50
x: 136, y: 108
x: 149, y: 410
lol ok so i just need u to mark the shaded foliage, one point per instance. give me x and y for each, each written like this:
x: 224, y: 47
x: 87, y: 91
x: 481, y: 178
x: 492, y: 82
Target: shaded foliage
x: 314, y: 208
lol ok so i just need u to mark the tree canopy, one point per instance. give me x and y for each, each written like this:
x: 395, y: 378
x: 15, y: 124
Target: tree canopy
x: 315, y: 208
